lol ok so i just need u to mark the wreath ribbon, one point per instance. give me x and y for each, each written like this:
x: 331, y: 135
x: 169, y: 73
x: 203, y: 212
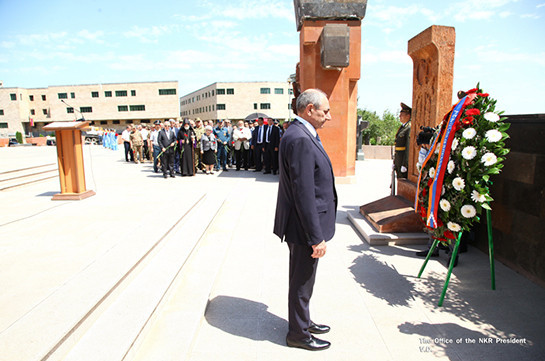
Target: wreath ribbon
x: 444, y: 141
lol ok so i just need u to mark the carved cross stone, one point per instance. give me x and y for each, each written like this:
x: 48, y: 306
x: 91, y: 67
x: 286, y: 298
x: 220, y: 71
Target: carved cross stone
x: 432, y: 52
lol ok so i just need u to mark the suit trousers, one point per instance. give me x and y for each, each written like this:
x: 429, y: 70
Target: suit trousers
x: 242, y: 158
x: 167, y: 162
x: 258, y: 155
x: 302, y: 275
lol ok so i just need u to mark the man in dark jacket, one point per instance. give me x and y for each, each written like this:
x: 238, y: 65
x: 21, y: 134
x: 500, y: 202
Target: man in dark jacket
x: 167, y: 141
x: 305, y: 212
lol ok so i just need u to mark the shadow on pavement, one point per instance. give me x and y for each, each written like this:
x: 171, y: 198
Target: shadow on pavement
x: 246, y: 318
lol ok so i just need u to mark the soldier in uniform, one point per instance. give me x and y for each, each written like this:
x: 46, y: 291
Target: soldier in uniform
x: 401, y: 157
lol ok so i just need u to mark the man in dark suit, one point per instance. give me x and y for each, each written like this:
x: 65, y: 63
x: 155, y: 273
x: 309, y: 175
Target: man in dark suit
x: 272, y: 142
x: 258, y: 144
x: 167, y: 141
x: 305, y: 212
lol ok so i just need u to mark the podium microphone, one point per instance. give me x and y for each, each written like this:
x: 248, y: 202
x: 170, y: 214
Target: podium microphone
x: 82, y: 119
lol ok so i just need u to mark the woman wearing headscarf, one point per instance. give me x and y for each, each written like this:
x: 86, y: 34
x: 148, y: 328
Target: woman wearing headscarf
x: 186, y: 141
x: 209, y: 147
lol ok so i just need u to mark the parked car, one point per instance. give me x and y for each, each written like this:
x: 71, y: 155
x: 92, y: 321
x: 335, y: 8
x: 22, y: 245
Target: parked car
x: 12, y: 141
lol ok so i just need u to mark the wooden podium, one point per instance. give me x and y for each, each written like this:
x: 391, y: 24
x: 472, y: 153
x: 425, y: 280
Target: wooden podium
x: 70, y: 159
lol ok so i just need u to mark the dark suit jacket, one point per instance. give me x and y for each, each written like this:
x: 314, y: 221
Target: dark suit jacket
x: 274, y: 137
x: 307, y: 200
x: 164, y: 141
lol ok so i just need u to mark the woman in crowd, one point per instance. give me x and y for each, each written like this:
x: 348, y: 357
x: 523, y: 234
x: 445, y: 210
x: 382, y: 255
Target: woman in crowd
x: 209, y: 147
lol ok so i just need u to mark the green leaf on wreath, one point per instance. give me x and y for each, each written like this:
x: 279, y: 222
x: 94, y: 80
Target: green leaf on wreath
x: 487, y: 206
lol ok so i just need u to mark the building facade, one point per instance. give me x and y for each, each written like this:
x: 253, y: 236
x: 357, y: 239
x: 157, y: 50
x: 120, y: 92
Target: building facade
x: 110, y: 106
x: 238, y: 100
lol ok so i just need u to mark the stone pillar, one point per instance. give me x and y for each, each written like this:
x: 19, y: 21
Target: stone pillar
x: 330, y: 60
x: 432, y: 52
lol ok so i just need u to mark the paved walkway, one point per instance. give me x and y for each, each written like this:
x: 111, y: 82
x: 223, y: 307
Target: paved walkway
x: 370, y: 296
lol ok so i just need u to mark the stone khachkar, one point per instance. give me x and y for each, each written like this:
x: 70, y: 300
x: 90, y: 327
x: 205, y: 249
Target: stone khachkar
x: 432, y: 52
x: 330, y: 60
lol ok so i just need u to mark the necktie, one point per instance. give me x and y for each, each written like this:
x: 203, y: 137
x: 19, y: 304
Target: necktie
x: 260, y: 134
x: 318, y: 138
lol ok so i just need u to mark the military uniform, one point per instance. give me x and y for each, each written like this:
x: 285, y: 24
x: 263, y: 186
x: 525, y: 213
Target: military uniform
x: 402, y: 141
x: 198, y: 158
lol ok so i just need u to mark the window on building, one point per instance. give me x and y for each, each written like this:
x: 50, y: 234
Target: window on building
x: 212, y: 92
x: 1, y: 111
x: 13, y: 96
x: 255, y: 105
x: 86, y: 109
x: 44, y: 111
x: 31, y: 97
x: 120, y: 93
x: 167, y: 91
x: 122, y: 108
x: 32, y: 112
x: 145, y: 121
x: 43, y: 97
x: 220, y: 107
x: 3, y: 125
x: 137, y: 108
x: 70, y: 110
x: 103, y: 122
x: 198, y: 97
x: 220, y: 92
x: 94, y: 94
x: 213, y: 107
x: 108, y: 93
x: 115, y: 122
x: 265, y: 106
x: 289, y: 106
x: 133, y: 93
x: 62, y: 95
x: 278, y: 91
x: 265, y: 91
x: 128, y: 122
x: 72, y: 95
x: 230, y: 91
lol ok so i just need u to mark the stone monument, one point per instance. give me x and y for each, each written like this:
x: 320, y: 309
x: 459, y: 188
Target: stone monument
x: 432, y: 52
x: 330, y: 60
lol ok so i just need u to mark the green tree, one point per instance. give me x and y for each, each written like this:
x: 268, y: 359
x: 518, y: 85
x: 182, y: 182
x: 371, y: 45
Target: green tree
x: 381, y: 131
x: 19, y: 137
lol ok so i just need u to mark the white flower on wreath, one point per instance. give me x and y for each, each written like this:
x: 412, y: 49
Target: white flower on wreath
x: 469, y: 133
x: 469, y: 152
x: 445, y: 205
x: 492, y: 117
x: 454, y: 144
x: 443, y: 190
x: 489, y: 159
x: 454, y: 227
x: 431, y: 172
x: 468, y: 211
x: 451, y: 166
x: 478, y: 197
x: 493, y: 135
x: 458, y: 183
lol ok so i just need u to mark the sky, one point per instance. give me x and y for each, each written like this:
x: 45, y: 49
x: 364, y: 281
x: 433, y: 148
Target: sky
x: 499, y: 43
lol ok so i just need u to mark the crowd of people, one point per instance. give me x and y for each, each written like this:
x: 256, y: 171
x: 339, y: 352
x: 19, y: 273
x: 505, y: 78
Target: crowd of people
x: 190, y: 146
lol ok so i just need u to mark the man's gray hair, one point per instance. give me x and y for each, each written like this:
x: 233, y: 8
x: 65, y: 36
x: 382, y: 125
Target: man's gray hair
x: 310, y: 96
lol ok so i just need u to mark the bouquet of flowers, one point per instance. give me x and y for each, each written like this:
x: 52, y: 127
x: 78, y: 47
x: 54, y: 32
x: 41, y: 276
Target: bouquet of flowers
x: 453, y: 186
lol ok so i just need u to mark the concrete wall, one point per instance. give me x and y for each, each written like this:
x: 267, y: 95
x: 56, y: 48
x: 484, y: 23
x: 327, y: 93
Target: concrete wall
x: 518, y: 210
x: 377, y: 151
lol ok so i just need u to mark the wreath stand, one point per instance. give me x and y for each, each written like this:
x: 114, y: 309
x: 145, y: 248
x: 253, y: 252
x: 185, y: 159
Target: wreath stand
x: 455, y: 253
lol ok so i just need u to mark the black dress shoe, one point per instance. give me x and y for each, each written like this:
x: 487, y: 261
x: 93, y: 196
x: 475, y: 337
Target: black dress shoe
x: 313, y: 344
x: 314, y: 328
x: 425, y: 253
x: 267, y: 172
x: 164, y: 176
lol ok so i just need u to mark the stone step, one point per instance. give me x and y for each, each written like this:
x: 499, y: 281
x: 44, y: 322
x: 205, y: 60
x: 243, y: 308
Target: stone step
x: 178, y: 318
x: 114, y: 332
x: 49, y: 329
x: 15, y: 178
